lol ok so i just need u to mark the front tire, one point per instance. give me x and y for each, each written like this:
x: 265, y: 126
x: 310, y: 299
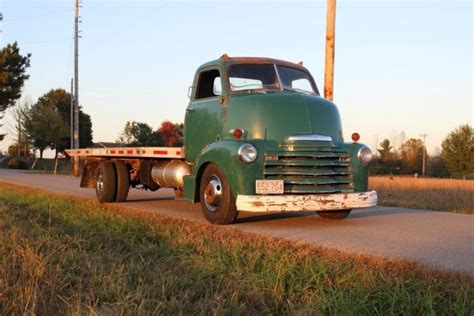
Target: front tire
x: 106, y: 182
x: 339, y: 214
x: 217, y: 201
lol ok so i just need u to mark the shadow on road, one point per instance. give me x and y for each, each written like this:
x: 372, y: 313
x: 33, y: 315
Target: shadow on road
x: 247, y: 217
x: 150, y: 199
x: 382, y: 211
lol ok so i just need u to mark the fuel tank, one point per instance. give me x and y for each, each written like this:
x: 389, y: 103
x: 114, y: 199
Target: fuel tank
x: 169, y: 174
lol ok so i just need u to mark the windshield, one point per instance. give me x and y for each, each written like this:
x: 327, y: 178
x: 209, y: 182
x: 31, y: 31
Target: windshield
x: 295, y: 79
x: 253, y: 77
x: 264, y: 77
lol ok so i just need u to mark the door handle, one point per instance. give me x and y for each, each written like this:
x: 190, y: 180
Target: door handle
x: 190, y: 110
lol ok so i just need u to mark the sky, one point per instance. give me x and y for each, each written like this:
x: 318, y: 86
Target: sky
x: 402, y: 68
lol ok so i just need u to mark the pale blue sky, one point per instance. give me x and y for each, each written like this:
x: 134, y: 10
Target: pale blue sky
x: 400, y: 65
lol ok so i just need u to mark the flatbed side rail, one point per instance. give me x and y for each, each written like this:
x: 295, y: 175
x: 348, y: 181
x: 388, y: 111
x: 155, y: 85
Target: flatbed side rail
x: 129, y: 152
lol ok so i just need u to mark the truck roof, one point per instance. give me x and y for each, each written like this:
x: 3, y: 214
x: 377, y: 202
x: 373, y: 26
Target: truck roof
x: 225, y: 60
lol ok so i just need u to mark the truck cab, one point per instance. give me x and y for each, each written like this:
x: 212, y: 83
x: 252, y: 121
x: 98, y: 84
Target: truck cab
x: 258, y: 137
x: 262, y: 123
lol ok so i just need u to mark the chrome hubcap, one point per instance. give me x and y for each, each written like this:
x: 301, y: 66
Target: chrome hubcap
x: 213, y: 193
x: 100, y: 183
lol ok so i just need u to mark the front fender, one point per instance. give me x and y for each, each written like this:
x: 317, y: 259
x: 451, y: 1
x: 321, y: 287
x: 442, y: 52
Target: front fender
x: 360, y: 171
x: 241, y: 176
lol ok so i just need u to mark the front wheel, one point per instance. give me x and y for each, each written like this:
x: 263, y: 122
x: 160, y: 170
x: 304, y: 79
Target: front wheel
x: 217, y: 201
x: 339, y: 214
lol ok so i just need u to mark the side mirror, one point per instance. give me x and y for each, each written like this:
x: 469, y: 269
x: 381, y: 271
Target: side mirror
x: 190, y: 91
x: 217, y: 88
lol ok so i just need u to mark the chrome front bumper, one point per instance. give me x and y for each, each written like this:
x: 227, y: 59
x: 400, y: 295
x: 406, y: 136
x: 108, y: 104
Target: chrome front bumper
x: 294, y: 203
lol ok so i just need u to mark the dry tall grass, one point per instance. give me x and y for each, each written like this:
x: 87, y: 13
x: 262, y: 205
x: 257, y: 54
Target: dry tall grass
x: 447, y: 195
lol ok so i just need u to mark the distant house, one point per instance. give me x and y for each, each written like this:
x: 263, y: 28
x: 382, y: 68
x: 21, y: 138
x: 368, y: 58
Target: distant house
x: 107, y: 145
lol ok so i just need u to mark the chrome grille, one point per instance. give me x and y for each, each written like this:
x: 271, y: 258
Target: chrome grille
x: 310, y: 169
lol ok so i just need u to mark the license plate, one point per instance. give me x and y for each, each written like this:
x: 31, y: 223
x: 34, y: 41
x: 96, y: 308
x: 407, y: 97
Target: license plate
x: 269, y: 186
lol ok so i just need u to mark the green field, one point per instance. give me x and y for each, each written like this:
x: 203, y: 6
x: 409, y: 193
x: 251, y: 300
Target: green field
x: 62, y: 255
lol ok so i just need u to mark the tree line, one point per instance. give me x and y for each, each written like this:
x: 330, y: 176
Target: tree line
x: 137, y: 134
x: 46, y: 124
x: 455, y: 160
x: 40, y: 125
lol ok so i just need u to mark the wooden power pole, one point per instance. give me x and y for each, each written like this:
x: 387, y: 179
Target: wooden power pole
x: 330, y: 43
x: 71, y: 121
x: 76, y: 86
x: 424, y: 153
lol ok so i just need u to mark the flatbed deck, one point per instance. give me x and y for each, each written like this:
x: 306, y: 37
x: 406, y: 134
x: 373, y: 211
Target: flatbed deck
x: 129, y: 152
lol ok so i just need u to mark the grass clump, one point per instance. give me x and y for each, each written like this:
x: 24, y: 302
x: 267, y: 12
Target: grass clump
x: 67, y: 256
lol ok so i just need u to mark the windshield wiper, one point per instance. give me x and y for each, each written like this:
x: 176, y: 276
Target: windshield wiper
x: 296, y: 90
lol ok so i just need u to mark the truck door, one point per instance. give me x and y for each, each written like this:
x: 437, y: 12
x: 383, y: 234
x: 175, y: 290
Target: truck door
x: 203, y: 112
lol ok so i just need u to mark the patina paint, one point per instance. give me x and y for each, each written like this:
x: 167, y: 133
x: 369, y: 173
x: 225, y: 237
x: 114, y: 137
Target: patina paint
x: 360, y: 171
x: 275, y: 116
x: 268, y: 119
x: 241, y: 176
x: 202, y: 121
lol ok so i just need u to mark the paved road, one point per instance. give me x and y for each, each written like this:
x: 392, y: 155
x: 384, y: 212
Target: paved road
x: 435, y: 239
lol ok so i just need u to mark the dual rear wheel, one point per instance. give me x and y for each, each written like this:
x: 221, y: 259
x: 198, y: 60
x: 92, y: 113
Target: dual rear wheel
x: 112, y: 182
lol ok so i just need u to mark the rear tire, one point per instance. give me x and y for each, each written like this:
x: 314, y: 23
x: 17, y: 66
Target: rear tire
x: 339, y: 214
x: 123, y: 181
x: 217, y: 201
x: 106, y: 182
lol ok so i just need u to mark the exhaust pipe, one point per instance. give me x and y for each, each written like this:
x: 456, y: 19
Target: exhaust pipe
x: 169, y: 174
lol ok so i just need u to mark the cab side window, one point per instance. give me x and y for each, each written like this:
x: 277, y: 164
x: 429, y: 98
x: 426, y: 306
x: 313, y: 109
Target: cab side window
x: 208, y: 84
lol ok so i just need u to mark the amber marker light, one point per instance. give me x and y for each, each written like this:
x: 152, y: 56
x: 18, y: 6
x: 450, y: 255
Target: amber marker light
x: 355, y: 137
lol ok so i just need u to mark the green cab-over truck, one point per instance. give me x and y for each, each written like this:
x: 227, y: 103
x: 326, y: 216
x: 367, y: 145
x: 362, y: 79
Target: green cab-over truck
x: 258, y: 138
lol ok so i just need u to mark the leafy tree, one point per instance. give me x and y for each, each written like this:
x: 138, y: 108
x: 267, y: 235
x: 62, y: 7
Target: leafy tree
x: 385, y: 150
x: 44, y: 127
x: 171, y: 133
x: 16, y: 150
x: 143, y: 135
x: 12, y: 74
x: 126, y: 136
x: 437, y: 168
x: 19, y: 116
x: 412, y: 154
x: 458, y: 150
x: 61, y: 101
x: 139, y: 134
x: 179, y: 127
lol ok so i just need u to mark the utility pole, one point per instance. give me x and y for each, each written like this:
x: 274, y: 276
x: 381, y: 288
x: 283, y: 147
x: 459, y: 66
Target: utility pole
x: 424, y: 153
x: 71, y: 122
x: 76, y: 86
x: 330, y: 46
x: 19, y: 130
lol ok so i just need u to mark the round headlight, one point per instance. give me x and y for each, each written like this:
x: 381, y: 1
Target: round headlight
x: 365, y: 155
x: 247, y: 153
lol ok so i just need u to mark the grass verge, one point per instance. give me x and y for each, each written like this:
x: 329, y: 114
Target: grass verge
x: 63, y: 255
x: 447, y: 195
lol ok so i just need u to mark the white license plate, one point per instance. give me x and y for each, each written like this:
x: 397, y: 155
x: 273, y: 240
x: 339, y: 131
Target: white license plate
x: 269, y: 186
